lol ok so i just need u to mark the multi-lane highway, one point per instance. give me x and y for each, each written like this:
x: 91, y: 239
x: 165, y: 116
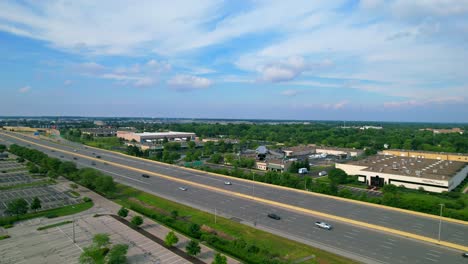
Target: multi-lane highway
x: 358, y: 241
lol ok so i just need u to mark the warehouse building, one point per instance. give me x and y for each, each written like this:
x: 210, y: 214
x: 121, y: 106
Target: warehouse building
x: 155, y: 137
x: 427, y: 154
x: 412, y: 172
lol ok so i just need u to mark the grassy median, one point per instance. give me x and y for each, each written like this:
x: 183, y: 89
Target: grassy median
x: 226, y: 235
x: 52, y: 213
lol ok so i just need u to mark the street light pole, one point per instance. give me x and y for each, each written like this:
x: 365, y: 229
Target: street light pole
x: 215, y: 215
x: 74, y: 229
x: 440, y: 220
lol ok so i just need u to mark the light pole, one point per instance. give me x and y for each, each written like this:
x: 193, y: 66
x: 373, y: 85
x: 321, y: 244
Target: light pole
x: 440, y: 220
x: 215, y: 215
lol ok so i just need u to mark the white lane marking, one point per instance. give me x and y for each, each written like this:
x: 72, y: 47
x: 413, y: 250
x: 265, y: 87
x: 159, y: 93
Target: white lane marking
x: 434, y: 260
x: 433, y: 255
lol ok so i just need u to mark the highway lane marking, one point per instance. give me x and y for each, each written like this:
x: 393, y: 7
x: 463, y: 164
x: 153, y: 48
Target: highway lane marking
x: 161, y: 164
x: 273, y: 203
x: 434, y: 260
x: 433, y: 255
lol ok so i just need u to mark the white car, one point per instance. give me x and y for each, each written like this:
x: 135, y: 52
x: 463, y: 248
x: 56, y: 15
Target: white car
x: 323, y: 225
x: 182, y: 188
x: 227, y: 183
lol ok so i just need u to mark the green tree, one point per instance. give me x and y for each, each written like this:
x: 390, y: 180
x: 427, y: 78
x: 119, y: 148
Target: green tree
x: 337, y: 176
x: 174, y: 214
x: 191, y: 145
x: 117, y: 254
x: 171, y: 239
x: 193, y: 248
x: 219, y: 259
x: 17, y: 207
x: 216, y: 158
x: 194, y: 230
x: 104, y: 184
x: 137, y: 220
x: 123, y: 212
x: 101, y: 240
x: 36, y: 204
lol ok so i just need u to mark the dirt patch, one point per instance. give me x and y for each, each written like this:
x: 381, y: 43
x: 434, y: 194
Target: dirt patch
x: 147, y: 206
x: 213, y: 231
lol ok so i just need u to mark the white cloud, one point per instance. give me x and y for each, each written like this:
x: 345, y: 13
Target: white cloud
x: 138, y: 81
x: 289, y: 69
x: 335, y: 106
x: 67, y: 82
x: 418, y: 103
x: 290, y: 92
x: 24, y: 89
x: 188, y: 82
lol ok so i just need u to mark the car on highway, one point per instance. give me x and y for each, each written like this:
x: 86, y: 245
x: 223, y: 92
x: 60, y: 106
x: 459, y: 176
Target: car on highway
x: 53, y: 150
x: 145, y: 176
x: 61, y: 156
x: 183, y: 188
x: 98, y: 157
x: 93, y: 163
x: 75, y: 150
x: 465, y: 255
x: 323, y: 225
x: 274, y: 216
x: 227, y: 183
x: 75, y: 158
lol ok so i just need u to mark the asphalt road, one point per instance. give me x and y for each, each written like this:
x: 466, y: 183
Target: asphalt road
x: 360, y: 243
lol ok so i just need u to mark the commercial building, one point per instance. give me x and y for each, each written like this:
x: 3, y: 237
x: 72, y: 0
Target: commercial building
x: 105, y: 131
x: 155, y: 137
x: 346, y: 152
x: 444, y: 131
x: 298, y: 151
x: 426, y: 154
x: 434, y: 175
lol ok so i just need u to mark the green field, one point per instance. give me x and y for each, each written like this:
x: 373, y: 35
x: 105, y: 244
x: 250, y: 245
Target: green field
x: 286, y: 250
x: 57, y: 212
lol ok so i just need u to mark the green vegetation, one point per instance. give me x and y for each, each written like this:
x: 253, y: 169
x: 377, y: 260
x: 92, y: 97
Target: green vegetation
x: 29, y: 184
x: 137, y: 220
x: 100, y: 252
x: 17, y: 207
x: 248, y: 244
x: 36, y: 204
x: 123, y: 212
x: 171, y: 239
x: 74, y: 194
x: 193, y: 248
x: 2, y: 237
x: 57, y: 212
x: 219, y: 259
x: 54, y: 225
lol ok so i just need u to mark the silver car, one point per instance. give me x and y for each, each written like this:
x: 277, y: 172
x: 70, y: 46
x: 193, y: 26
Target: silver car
x: 323, y: 225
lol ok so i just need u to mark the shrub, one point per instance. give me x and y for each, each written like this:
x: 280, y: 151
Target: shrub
x: 87, y: 199
x: 137, y: 220
x: 123, y: 212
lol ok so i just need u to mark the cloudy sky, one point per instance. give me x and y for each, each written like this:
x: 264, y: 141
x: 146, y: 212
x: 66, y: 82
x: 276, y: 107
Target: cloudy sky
x: 393, y: 60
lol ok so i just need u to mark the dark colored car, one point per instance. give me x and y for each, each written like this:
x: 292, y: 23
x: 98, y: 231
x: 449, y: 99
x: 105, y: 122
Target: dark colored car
x: 145, y: 176
x: 75, y: 158
x: 465, y: 255
x: 274, y: 216
x: 98, y: 157
x: 93, y: 163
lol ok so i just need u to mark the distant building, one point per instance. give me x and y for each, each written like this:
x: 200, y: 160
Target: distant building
x: 370, y: 127
x: 426, y: 154
x: 431, y: 174
x: 99, y: 123
x: 299, y: 151
x: 155, y: 137
x: 104, y: 131
x: 444, y: 131
x: 346, y: 152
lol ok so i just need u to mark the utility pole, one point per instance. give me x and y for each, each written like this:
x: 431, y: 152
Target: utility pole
x: 215, y: 215
x: 74, y: 241
x: 440, y: 220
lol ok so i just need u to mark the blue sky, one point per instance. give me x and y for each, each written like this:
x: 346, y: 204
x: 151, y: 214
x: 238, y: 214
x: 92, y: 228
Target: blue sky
x: 342, y: 60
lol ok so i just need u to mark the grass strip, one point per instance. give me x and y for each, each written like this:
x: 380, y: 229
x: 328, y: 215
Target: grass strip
x: 25, y: 185
x: 246, y: 243
x: 57, y: 212
x: 4, y: 237
x: 54, y: 225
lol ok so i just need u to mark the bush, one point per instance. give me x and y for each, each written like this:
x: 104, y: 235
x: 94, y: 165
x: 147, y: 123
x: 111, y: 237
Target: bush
x: 8, y: 226
x: 123, y: 212
x: 87, y: 199
x: 51, y: 215
x: 137, y: 220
